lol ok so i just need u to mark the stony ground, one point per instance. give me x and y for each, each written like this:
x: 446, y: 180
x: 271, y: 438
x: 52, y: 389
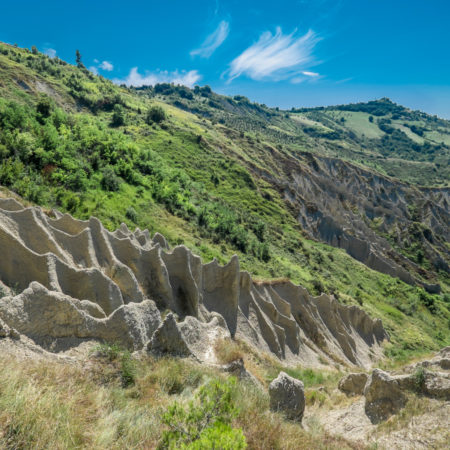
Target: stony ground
x: 429, y: 430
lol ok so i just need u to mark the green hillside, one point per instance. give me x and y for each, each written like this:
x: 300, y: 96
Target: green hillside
x: 208, y: 171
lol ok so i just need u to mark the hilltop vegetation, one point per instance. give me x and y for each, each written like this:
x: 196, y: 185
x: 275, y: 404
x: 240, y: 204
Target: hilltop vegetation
x: 208, y: 171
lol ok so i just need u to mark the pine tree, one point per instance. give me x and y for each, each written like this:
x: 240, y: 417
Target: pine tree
x: 78, y: 59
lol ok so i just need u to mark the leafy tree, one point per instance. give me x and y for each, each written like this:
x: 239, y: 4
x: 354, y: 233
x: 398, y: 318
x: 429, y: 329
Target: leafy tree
x: 34, y: 50
x: 155, y: 115
x: 118, y: 117
x: 110, y: 181
x: 44, y: 107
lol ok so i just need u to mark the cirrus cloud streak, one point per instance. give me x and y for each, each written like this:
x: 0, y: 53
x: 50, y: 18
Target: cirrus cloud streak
x: 276, y: 56
x: 213, y: 41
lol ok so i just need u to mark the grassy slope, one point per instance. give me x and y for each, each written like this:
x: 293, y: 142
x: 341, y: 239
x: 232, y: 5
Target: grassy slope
x: 55, y: 405
x: 196, y: 175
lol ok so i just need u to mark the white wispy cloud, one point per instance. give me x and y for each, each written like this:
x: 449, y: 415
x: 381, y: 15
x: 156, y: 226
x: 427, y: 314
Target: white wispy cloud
x: 106, y: 65
x: 213, y: 41
x: 310, y: 74
x: 276, y: 56
x: 183, y: 77
x: 50, y: 52
x: 93, y: 69
x: 305, y: 75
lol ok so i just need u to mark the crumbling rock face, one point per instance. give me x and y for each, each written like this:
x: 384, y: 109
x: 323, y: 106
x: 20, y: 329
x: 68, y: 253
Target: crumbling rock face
x: 4, y: 330
x: 79, y: 281
x: 336, y: 202
x: 437, y: 385
x: 52, y: 317
x: 168, y: 339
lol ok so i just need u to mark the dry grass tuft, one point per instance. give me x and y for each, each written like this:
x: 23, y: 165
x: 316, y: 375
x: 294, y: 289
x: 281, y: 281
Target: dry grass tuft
x: 227, y: 350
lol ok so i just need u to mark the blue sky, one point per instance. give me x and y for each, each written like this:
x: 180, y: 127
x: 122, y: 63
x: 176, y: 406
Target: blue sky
x: 282, y: 53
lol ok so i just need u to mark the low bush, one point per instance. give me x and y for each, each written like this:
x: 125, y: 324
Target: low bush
x: 110, y: 181
x: 116, y: 355
x: 419, y: 378
x: 205, y: 422
x: 131, y: 214
x: 156, y: 115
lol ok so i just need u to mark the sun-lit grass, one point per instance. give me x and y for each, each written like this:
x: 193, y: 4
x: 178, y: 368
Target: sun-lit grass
x: 53, y: 405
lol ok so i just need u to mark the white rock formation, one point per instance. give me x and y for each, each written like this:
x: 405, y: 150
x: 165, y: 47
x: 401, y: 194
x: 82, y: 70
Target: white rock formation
x: 80, y: 281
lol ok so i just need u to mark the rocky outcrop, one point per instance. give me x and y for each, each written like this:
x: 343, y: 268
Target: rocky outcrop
x: 79, y: 281
x: 353, y: 383
x: 168, y: 339
x: 437, y: 385
x: 187, y: 338
x: 287, y: 395
x: 56, y: 320
x: 383, y: 396
x: 440, y: 361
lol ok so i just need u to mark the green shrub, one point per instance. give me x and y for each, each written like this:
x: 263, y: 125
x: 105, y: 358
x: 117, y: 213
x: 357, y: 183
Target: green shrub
x: 131, y: 214
x: 155, y: 115
x: 419, y: 378
x: 110, y: 181
x: 219, y: 436
x: 114, y: 353
x: 264, y: 252
x: 72, y: 202
x: 118, y: 117
x: 127, y: 369
x: 205, y: 422
x: 44, y: 107
x: 318, y: 287
x: 109, y: 351
x: 428, y: 301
